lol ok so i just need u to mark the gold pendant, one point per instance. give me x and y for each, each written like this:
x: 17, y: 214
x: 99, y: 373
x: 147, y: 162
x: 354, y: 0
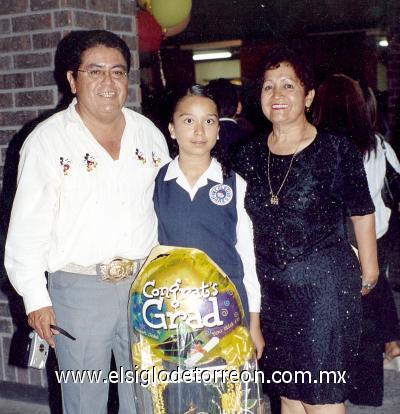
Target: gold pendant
x: 274, y: 199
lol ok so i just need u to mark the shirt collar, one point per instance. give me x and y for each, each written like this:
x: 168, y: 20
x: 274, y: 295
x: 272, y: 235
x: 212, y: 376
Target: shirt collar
x: 213, y: 172
x: 228, y: 119
x: 72, y: 113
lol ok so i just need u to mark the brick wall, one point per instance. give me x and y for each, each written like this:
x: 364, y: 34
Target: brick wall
x: 29, y: 33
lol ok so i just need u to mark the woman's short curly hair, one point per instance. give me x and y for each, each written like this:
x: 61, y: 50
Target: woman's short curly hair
x: 298, y: 59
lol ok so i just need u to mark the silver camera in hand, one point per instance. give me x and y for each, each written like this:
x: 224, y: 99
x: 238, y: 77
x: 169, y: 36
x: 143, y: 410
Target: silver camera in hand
x: 38, y: 351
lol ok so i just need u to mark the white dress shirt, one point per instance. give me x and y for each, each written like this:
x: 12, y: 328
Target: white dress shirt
x: 375, y: 167
x: 76, y: 204
x: 244, y: 227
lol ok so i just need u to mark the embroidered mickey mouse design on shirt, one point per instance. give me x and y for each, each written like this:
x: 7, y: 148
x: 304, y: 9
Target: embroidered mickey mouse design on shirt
x: 140, y: 156
x: 89, y: 162
x: 65, y: 164
x: 156, y: 159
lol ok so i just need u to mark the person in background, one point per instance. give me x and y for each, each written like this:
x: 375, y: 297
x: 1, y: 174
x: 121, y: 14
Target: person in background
x: 340, y: 107
x: 83, y: 212
x: 301, y: 183
x: 226, y: 96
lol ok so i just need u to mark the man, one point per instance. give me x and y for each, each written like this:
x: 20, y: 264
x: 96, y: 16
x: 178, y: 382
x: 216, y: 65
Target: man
x: 83, y: 211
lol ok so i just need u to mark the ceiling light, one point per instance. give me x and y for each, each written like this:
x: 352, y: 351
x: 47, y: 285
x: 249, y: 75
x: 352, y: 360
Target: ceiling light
x: 383, y: 43
x: 218, y: 54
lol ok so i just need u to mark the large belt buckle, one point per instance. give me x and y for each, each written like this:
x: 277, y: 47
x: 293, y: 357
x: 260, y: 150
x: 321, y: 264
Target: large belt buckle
x: 117, y: 269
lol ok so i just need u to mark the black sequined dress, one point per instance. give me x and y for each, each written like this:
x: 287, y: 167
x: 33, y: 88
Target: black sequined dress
x: 309, y: 275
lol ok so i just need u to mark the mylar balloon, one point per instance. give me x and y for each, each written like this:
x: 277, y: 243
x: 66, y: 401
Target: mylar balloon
x: 185, y: 313
x: 171, y: 12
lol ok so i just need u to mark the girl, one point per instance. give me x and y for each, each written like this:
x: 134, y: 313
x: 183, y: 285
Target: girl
x: 200, y: 202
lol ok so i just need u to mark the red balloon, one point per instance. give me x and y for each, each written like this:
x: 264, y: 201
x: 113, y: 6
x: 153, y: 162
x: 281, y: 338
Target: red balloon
x: 150, y: 32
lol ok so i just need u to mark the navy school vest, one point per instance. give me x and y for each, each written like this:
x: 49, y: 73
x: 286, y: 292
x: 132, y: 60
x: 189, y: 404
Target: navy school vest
x: 207, y: 223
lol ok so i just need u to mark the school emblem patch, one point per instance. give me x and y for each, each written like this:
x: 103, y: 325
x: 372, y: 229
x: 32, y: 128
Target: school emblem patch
x: 221, y: 194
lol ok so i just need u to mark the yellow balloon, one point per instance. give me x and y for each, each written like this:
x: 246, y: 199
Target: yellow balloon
x: 174, y: 30
x: 170, y: 12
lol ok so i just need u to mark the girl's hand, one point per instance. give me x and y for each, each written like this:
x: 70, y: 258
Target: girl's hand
x: 258, y: 341
x: 255, y: 333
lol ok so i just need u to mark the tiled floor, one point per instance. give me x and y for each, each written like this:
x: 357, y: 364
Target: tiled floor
x: 17, y: 407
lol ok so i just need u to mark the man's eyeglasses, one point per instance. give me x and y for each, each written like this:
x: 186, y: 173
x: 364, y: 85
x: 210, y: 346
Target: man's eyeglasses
x: 100, y: 74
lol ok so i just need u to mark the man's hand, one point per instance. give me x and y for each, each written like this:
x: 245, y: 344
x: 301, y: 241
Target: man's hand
x: 40, y: 320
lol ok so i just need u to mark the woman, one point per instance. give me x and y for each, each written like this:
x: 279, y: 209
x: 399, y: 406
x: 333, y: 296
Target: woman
x: 300, y: 185
x: 341, y: 107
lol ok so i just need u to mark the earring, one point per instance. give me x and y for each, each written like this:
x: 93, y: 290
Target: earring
x: 308, y: 109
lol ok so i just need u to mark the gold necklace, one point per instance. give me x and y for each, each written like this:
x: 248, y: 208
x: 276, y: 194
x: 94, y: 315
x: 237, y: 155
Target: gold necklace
x: 274, y: 196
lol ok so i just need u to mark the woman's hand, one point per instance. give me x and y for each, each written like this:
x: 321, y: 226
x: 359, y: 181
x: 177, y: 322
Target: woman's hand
x: 368, y: 283
x: 255, y: 333
x: 364, y: 229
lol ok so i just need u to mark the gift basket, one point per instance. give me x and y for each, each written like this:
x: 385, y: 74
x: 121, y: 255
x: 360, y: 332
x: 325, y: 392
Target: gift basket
x: 191, y: 348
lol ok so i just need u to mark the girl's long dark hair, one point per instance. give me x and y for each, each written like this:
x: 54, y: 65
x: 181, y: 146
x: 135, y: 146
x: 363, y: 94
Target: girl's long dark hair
x: 340, y: 107
x: 218, y: 152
